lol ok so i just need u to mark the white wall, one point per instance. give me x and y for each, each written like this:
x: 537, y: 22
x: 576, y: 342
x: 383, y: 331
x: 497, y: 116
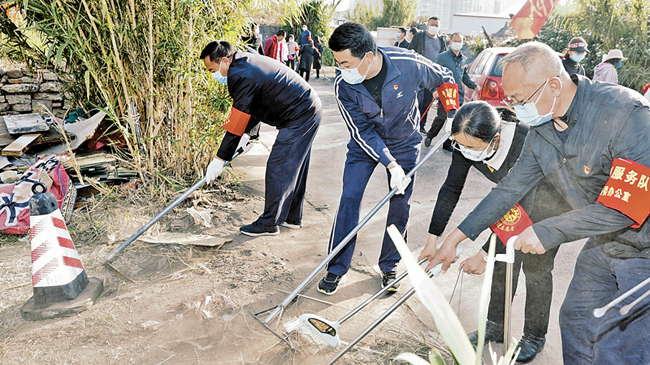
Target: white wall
x: 386, y: 36
x: 471, y: 23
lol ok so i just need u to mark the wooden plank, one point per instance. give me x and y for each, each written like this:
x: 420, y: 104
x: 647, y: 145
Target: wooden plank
x: 83, y: 130
x: 20, y: 145
x: 25, y: 123
x: 52, y: 136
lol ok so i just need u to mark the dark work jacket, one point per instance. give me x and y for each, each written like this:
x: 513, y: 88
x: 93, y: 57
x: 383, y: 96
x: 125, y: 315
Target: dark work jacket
x: 269, y: 92
x: 403, y: 44
x: 376, y: 129
x: 457, y: 65
x: 317, y: 64
x: 539, y: 203
x: 606, y: 122
x: 573, y: 68
x: 417, y: 43
x: 307, y: 55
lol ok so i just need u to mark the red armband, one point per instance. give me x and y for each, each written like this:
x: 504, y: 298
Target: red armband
x: 237, y: 122
x: 448, y: 94
x: 627, y: 190
x: 511, y: 224
x: 645, y: 88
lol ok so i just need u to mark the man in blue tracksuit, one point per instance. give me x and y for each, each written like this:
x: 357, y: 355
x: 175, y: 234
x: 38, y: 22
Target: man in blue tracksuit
x: 264, y: 90
x: 376, y: 92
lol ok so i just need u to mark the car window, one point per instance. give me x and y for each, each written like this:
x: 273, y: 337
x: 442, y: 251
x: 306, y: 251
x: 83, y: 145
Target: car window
x: 496, y: 69
x: 475, y: 64
x: 487, y: 62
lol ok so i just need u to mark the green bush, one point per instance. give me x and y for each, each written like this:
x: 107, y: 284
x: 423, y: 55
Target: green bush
x: 143, y: 54
x: 328, y: 56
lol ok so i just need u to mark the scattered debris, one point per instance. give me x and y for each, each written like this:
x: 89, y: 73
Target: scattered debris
x: 185, y: 239
x: 202, y: 216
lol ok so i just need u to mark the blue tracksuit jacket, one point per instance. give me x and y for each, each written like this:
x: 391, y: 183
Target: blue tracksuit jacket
x: 374, y: 128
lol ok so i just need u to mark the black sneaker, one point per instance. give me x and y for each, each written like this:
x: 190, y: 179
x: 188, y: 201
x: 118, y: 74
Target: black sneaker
x: 387, y: 278
x: 530, y: 346
x: 427, y: 141
x: 290, y: 224
x: 258, y: 229
x: 493, y: 333
x: 330, y: 283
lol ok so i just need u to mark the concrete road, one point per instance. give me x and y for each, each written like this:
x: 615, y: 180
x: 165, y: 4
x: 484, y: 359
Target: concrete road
x: 323, y: 192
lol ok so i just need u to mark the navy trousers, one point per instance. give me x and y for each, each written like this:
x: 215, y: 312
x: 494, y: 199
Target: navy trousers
x: 286, y: 172
x: 358, y: 169
x: 613, y: 338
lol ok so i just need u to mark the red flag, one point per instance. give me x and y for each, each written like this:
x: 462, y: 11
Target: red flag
x: 530, y: 19
x: 512, y: 224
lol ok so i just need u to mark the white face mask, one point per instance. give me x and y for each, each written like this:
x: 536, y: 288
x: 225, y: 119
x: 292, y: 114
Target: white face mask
x: 474, y: 155
x: 352, y: 75
x: 218, y: 76
x: 304, y: 29
x: 433, y: 30
x: 529, y: 115
x: 398, y: 35
x: 456, y: 46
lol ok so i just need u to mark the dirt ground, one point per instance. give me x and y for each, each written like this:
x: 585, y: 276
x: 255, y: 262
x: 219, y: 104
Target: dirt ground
x: 190, y: 305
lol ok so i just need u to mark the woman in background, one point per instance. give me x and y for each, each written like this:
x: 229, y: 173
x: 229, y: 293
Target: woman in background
x: 292, y: 48
x: 317, y: 65
x: 606, y: 70
x: 575, y: 53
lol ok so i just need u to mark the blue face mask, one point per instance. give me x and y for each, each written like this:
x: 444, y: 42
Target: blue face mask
x: 529, y: 115
x: 619, y: 64
x: 577, y: 57
x: 219, y: 77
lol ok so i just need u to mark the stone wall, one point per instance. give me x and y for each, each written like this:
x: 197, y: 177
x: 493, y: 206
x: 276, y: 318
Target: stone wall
x: 24, y: 93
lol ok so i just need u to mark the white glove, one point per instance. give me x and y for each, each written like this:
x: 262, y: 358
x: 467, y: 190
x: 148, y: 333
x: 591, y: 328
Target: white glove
x: 245, y: 144
x: 448, y: 125
x: 215, y: 168
x: 398, y: 179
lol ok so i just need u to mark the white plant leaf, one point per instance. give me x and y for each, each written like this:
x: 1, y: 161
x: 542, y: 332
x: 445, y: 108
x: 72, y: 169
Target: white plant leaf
x: 485, y: 299
x: 433, y: 299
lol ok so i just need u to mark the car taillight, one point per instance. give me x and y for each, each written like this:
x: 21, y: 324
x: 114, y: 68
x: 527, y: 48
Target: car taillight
x: 490, y: 89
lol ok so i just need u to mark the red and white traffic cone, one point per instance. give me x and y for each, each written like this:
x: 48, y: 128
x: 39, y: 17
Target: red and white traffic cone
x: 61, y: 286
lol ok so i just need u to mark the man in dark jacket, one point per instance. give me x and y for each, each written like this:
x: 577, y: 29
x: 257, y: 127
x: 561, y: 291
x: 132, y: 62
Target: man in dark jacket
x: 265, y: 90
x: 596, y: 153
x: 457, y: 64
x: 376, y: 93
x: 402, y: 42
x: 429, y: 44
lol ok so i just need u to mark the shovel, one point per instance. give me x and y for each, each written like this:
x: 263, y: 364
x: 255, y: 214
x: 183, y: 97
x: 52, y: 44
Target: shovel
x: 279, y: 308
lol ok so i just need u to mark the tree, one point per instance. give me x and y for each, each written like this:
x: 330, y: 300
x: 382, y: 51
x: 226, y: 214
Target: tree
x: 391, y: 13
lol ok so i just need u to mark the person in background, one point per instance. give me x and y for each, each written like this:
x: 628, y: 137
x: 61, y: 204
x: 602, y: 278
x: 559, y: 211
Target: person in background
x: 263, y: 90
x: 575, y: 53
x: 253, y: 38
x: 307, y: 55
x: 606, y: 71
x: 376, y: 91
x: 429, y: 44
x: 317, y: 60
x: 412, y: 32
x: 490, y: 140
x: 305, y: 36
x: 456, y: 62
x: 273, y: 46
x: 401, y: 38
x: 292, y: 52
